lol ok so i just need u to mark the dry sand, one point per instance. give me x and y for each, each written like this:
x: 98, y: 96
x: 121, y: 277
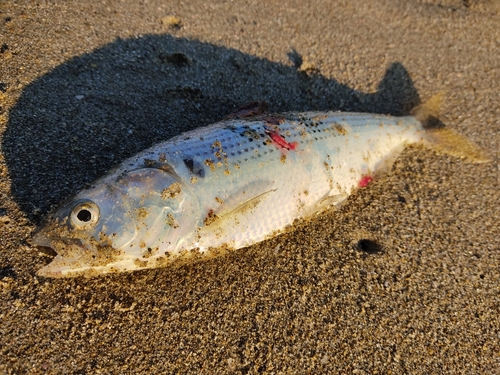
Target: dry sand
x: 84, y: 84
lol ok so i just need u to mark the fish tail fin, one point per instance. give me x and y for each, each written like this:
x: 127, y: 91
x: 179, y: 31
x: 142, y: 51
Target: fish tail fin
x: 443, y: 140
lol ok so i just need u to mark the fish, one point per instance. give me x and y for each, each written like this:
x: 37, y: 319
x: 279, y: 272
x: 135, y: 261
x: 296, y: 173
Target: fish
x: 230, y: 185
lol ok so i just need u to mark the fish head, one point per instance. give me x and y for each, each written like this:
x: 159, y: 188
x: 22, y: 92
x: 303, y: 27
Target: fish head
x: 121, y: 223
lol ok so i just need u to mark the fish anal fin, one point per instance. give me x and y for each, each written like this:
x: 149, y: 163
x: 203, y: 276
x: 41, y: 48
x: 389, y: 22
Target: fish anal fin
x: 384, y: 165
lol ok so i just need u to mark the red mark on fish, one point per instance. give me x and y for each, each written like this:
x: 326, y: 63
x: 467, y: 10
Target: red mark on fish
x: 365, y: 180
x: 272, y: 130
x: 280, y: 141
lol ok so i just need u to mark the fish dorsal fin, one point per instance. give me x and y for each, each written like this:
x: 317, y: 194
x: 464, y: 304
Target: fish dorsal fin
x: 248, y: 111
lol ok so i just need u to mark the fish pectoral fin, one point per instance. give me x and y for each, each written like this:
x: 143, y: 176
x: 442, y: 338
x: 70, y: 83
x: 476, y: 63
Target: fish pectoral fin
x: 239, y: 204
x: 246, y: 206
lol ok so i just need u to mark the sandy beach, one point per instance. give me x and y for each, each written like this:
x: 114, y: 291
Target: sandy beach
x: 403, y: 278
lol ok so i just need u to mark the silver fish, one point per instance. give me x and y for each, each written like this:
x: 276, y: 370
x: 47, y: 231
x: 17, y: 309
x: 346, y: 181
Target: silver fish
x: 227, y: 186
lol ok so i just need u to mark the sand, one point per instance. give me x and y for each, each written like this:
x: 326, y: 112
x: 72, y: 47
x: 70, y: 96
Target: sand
x: 404, y: 278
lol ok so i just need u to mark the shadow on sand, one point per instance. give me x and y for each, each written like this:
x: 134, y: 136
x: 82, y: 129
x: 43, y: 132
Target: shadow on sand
x: 91, y: 112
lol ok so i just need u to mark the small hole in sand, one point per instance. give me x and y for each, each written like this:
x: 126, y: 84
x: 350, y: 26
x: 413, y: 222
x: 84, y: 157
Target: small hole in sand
x: 368, y: 246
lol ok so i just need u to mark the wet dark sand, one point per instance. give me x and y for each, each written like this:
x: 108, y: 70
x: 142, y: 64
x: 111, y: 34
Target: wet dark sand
x: 85, y: 84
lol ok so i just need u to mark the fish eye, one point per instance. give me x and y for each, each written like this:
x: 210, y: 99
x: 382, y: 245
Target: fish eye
x: 85, y: 214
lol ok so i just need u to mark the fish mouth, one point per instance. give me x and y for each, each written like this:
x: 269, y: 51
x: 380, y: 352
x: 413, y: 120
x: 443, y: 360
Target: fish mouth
x: 47, y: 250
x: 43, y: 244
x: 66, y: 254
x: 53, y: 269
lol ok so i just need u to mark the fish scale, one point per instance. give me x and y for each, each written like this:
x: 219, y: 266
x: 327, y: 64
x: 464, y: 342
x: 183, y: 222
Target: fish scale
x: 295, y: 181
x: 228, y: 185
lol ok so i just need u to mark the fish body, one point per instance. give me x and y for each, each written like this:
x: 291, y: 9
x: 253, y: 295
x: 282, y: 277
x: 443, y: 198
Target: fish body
x: 224, y: 186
